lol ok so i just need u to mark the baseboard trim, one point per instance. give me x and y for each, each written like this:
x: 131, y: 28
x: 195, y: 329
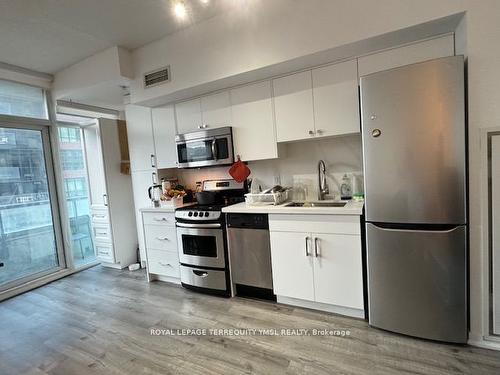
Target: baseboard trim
x: 347, y: 311
x: 167, y: 279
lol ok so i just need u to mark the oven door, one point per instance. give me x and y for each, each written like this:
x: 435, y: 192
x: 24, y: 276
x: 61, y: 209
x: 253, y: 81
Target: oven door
x: 201, y: 244
x: 205, y: 152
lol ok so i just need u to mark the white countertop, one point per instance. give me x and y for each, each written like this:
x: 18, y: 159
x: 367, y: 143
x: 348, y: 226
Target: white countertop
x: 351, y: 208
x: 164, y: 209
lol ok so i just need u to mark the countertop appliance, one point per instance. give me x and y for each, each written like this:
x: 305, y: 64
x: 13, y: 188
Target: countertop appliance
x: 201, y: 237
x: 414, y: 149
x: 250, y: 254
x: 205, y: 148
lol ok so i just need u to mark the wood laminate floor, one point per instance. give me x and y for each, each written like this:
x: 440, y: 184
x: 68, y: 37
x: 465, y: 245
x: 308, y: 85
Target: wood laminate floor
x: 99, y: 321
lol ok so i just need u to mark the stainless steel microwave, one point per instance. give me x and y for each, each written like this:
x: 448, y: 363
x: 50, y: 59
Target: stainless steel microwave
x: 205, y: 148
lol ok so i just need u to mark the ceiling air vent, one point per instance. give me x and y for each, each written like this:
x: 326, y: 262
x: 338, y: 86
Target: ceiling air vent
x: 157, y: 77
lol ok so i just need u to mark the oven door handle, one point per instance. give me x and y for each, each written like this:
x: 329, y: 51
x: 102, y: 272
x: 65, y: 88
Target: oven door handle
x: 201, y: 226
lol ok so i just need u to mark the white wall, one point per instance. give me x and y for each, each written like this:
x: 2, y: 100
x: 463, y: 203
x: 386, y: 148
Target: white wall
x: 270, y: 32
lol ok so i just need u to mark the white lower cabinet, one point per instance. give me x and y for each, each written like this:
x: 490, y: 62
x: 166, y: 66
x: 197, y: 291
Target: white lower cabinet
x: 316, y: 269
x: 292, y: 268
x: 160, y: 239
x: 338, y: 278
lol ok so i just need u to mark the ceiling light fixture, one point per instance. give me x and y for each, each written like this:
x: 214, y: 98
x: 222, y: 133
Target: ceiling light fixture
x: 204, y: 2
x: 180, y: 9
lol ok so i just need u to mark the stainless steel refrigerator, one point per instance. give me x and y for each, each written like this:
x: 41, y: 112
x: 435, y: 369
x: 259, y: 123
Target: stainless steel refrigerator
x: 414, y: 150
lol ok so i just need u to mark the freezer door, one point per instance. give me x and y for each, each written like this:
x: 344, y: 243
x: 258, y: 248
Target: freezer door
x: 417, y: 282
x: 414, y: 143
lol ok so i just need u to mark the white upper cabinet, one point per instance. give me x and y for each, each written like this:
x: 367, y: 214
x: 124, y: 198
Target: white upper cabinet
x: 293, y: 105
x: 164, y: 131
x: 216, y: 110
x: 188, y: 116
x: 335, y: 95
x: 410, y: 54
x: 254, y: 133
x: 140, y: 138
x: 211, y: 111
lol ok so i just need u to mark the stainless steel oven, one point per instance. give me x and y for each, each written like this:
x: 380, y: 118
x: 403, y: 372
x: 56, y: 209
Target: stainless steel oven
x: 205, y: 148
x: 201, y: 244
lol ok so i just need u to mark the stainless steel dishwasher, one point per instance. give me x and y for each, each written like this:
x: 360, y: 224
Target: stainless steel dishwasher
x: 250, y: 255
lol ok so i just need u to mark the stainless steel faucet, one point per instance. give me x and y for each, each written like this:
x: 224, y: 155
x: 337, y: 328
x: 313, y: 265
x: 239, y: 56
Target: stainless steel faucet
x: 322, y: 185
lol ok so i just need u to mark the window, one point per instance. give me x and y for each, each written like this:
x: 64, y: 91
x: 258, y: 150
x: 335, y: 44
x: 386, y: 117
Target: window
x: 69, y: 135
x: 74, y: 173
x: 72, y: 160
x: 76, y: 187
x: 17, y: 99
x: 27, y: 233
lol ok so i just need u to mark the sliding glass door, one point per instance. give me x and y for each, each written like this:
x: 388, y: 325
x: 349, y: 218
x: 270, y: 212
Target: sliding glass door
x: 29, y: 223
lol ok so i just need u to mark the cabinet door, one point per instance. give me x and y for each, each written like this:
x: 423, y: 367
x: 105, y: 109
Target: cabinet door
x: 254, y: 133
x: 140, y: 137
x: 338, y: 275
x: 164, y: 131
x: 336, y: 103
x: 292, y: 267
x: 188, y: 116
x: 140, y: 182
x: 293, y: 106
x: 410, y: 54
x: 216, y: 110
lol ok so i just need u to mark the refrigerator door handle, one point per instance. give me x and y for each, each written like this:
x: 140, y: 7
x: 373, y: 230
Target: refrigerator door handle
x: 416, y: 229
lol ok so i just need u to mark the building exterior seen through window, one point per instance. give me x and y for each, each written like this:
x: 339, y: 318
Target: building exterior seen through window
x: 27, y: 240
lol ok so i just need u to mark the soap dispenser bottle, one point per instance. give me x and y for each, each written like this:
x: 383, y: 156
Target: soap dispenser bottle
x: 346, y: 188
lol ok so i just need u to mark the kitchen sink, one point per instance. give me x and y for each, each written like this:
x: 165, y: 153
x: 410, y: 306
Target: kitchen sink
x: 316, y: 204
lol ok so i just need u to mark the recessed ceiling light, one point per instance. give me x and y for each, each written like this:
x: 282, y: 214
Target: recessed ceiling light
x: 180, y: 9
x: 205, y: 2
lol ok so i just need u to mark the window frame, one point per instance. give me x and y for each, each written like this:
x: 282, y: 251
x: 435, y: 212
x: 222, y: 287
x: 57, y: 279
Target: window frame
x: 15, y: 122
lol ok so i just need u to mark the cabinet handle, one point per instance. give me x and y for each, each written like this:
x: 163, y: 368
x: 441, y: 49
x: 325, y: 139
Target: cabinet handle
x: 162, y: 238
x: 104, y: 252
x: 200, y: 273
x: 307, y: 246
x: 165, y: 264
x: 153, y: 161
x: 160, y: 219
x: 311, y: 132
x: 316, y: 241
x: 105, y: 199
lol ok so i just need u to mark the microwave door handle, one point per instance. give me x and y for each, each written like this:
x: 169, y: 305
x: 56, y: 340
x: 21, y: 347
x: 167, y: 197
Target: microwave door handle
x: 214, y: 148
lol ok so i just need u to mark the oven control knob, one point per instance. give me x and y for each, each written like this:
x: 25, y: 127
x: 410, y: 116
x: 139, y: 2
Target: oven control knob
x: 200, y: 214
x: 206, y: 214
x: 190, y: 214
x: 196, y: 214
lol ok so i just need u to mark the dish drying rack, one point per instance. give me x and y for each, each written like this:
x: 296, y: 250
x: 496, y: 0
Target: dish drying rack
x: 267, y: 199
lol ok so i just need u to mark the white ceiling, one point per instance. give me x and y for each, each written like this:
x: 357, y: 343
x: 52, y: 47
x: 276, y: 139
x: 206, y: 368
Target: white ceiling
x: 48, y: 35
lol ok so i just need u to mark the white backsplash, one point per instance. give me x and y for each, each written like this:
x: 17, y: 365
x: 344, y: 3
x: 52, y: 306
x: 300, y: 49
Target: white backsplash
x: 297, y: 167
